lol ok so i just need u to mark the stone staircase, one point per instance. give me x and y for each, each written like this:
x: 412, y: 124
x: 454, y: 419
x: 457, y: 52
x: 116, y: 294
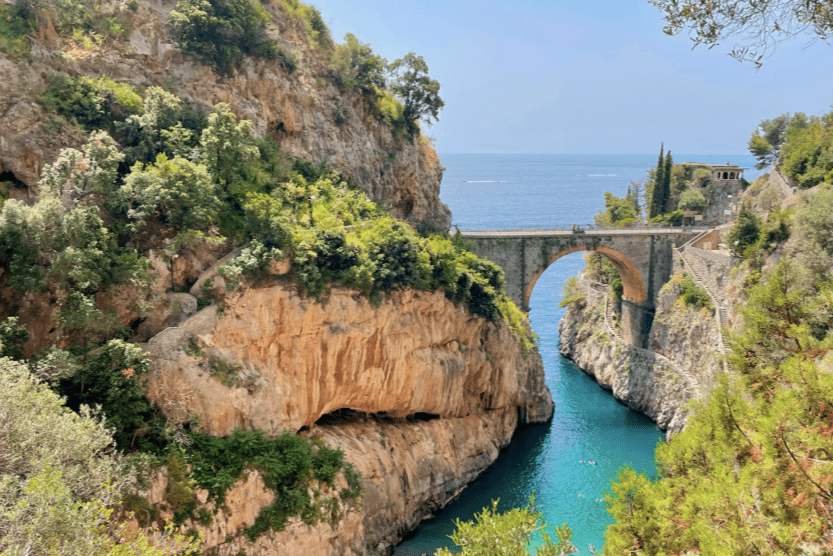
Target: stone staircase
x: 611, y: 329
x: 721, y: 314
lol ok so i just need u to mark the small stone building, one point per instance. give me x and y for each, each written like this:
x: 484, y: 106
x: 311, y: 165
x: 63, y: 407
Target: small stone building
x: 721, y: 197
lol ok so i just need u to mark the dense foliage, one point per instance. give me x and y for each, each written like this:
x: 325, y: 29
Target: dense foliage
x: 358, y: 68
x: 619, y: 211
x: 155, y: 171
x: 507, y: 534
x: 768, y: 137
x: 288, y: 463
x: 419, y: 93
x: 61, y: 479
x: 752, y: 472
x: 807, y: 151
x: 16, y: 21
x: 753, y: 237
x: 691, y: 294
x: 220, y: 32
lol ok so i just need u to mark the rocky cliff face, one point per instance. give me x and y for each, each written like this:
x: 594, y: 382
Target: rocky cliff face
x: 681, y: 365
x: 418, y: 393
x: 410, y: 469
x: 299, y: 109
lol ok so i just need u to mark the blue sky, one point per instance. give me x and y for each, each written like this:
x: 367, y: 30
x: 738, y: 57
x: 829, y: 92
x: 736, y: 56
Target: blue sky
x: 594, y: 76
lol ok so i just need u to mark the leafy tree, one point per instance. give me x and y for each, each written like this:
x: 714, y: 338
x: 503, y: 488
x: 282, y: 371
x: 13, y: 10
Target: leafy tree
x: 357, y: 67
x: 92, y: 103
x: 808, y: 151
x: 89, y: 176
x: 761, y: 24
x: 692, y: 199
x: 220, y: 32
x: 12, y: 338
x: 768, y: 137
x: 619, y: 211
x: 46, y: 245
x: 745, y: 232
x: 177, y: 192
x: 60, y: 477
x: 227, y: 145
x: 167, y: 124
x: 507, y: 534
x: 636, y: 194
x: 419, y: 93
x: 111, y: 379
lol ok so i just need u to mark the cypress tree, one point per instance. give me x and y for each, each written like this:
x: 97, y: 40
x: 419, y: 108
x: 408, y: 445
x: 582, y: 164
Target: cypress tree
x: 666, y: 184
x: 657, y: 202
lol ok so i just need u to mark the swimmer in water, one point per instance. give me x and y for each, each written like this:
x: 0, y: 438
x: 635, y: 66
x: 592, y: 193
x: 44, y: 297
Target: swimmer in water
x: 591, y: 462
x: 581, y: 495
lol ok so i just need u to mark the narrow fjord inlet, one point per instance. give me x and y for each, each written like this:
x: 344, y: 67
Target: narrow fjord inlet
x: 589, y: 425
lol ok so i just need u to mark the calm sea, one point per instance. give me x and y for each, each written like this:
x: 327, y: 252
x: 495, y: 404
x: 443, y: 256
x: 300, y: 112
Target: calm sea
x: 526, y: 191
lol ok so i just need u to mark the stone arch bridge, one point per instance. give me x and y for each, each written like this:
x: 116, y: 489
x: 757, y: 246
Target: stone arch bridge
x: 643, y: 257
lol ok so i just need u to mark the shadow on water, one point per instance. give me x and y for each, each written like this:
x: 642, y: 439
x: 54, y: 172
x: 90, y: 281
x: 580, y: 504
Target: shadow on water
x: 517, y: 466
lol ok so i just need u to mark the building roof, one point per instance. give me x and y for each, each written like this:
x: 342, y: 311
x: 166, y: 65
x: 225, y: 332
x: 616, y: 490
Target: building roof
x: 727, y: 166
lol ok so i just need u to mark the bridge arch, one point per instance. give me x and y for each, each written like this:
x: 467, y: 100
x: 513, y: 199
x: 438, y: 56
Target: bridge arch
x: 632, y: 284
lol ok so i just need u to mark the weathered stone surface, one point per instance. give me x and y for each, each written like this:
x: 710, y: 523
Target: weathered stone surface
x: 657, y: 383
x: 416, y: 353
x: 435, y: 394
x: 410, y: 470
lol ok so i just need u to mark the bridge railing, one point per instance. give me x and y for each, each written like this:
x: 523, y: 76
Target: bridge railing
x: 582, y: 227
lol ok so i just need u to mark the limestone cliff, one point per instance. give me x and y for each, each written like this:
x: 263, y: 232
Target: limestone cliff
x: 681, y: 366
x: 418, y: 393
x: 303, y: 110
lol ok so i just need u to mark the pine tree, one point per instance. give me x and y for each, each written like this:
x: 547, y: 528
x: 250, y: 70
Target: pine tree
x: 656, y: 198
x: 667, y: 202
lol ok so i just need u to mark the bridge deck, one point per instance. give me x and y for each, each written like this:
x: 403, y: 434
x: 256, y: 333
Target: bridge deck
x: 639, y: 232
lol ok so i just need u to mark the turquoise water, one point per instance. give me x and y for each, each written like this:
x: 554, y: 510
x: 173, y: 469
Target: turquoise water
x: 516, y: 191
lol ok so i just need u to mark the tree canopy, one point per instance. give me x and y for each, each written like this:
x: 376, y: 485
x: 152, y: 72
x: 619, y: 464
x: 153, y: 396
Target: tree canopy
x: 419, y: 93
x: 766, y: 140
x: 757, y: 26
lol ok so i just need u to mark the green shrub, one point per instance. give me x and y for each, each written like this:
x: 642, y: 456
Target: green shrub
x: 220, y: 32
x: 571, y: 292
x: 16, y: 22
x: 357, y: 67
x: 111, y: 379
x: 227, y: 373
x: 396, y: 256
x: 287, y: 463
x: 317, y: 31
x: 165, y: 124
x: 94, y: 103
x: 179, y: 492
x: 12, y: 338
x: 392, y: 113
x: 692, y: 199
x: 693, y: 295
x: 745, y: 233
x: 176, y: 192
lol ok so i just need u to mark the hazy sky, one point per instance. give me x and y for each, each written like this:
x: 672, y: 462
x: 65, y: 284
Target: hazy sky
x: 584, y: 76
